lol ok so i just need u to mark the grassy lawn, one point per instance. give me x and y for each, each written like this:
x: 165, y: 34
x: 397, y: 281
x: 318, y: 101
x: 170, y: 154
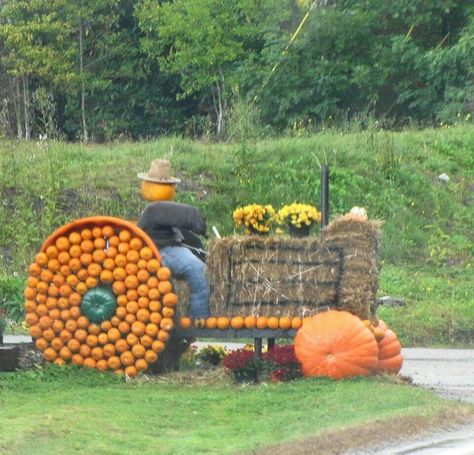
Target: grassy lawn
x: 67, y: 410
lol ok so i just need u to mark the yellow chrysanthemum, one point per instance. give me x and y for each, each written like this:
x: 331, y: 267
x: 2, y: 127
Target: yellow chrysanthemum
x: 299, y: 214
x: 254, y: 217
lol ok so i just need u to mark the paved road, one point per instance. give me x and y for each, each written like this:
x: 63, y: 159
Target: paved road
x: 449, y: 372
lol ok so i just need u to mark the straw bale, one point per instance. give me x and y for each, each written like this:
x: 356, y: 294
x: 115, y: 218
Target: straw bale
x: 360, y: 241
x: 272, y: 275
x: 265, y: 275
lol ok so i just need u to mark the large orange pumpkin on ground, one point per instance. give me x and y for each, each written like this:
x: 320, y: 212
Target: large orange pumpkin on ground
x: 335, y: 344
x: 390, y: 354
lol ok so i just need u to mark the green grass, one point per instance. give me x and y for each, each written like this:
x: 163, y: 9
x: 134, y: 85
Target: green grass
x: 439, y: 307
x: 428, y: 226
x: 67, y: 410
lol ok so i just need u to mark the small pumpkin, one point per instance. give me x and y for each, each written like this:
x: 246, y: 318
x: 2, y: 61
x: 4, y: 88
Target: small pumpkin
x: 250, y: 322
x: 273, y: 323
x: 211, y: 323
x: 296, y: 323
x: 390, y: 354
x: 237, y: 322
x: 284, y: 322
x: 185, y: 322
x: 335, y: 344
x: 153, y: 191
x: 262, y: 322
x: 223, y: 323
x: 199, y: 323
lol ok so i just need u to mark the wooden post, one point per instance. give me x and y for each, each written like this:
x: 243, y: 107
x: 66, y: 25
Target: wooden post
x: 258, y: 347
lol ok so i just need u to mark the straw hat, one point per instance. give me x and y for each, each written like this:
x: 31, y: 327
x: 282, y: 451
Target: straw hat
x: 160, y: 172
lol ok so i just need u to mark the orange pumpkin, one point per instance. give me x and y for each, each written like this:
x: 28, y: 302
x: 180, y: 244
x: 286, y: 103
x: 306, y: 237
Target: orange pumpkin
x: 185, y: 322
x: 250, y: 322
x: 223, y: 323
x: 284, y: 322
x: 237, y: 322
x: 296, y: 323
x: 273, y: 323
x: 336, y: 344
x: 153, y: 191
x: 262, y: 322
x: 390, y: 354
x: 211, y: 323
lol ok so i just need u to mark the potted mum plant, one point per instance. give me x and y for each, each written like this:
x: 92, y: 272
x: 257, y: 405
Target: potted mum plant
x: 299, y: 218
x: 255, y: 218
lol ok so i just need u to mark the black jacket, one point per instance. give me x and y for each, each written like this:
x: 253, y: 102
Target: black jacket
x: 172, y: 224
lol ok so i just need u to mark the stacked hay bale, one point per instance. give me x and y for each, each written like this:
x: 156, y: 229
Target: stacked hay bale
x: 278, y: 276
x: 360, y: 242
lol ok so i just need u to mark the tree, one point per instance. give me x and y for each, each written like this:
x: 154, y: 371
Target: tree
x: 367, y: 56
x: 35, y: 47
x: 205, y: 43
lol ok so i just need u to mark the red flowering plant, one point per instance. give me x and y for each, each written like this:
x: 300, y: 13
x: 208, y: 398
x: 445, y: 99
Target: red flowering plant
x: 282, y: 364
x: 278, y: 364
x: 243, y: 365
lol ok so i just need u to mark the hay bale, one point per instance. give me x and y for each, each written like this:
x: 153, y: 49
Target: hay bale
x: 272, y: 275
x: 276, y: 276
x: 360, y: 242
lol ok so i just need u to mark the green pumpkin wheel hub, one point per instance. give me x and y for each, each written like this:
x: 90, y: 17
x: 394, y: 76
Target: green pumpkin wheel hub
x: 98, y: 304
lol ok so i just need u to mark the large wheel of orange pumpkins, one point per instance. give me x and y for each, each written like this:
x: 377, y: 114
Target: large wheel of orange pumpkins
x: 97, y: 296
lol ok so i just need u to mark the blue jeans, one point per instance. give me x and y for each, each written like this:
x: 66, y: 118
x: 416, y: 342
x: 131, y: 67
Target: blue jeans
x: 185, y: 265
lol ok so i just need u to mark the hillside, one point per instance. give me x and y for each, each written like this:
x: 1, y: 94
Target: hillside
x: 428, y: 229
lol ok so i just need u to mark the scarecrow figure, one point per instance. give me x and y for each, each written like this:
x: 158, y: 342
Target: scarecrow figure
x: 175, y: 229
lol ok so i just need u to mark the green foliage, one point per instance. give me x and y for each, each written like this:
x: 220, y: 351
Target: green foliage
x: 54, y: 378
x: 363, y: 56
x: 393, y: 175
x: 11, y: 298
x: 35, y: 39
x: 146, y: 68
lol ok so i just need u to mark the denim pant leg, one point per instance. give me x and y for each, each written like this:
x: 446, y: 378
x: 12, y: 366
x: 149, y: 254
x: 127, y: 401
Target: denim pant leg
x: 185, y: 265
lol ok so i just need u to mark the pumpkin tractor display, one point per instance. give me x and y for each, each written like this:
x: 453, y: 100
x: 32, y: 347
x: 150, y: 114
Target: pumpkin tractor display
x: 98, y: 296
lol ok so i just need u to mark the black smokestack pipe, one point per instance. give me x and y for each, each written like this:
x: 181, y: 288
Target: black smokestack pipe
x: 324, y: 195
